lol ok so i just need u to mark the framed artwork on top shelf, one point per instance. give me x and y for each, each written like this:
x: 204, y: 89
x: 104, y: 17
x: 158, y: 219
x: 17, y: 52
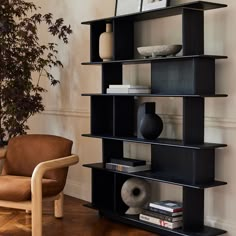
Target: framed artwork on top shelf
x: 154, y: 4
x: 124, y: 7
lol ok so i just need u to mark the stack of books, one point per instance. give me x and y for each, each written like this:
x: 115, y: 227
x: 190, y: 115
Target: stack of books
x: 127, y: 88
x: 127, y: 165
x: 164, y: 213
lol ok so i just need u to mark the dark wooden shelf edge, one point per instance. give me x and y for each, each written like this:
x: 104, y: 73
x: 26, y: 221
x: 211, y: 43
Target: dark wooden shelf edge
x: 148, y: 60
x: 156, y: 95
x: 134, y: 221
x: 163, y: 12
x: 162, y: 142
x: 153, y: 176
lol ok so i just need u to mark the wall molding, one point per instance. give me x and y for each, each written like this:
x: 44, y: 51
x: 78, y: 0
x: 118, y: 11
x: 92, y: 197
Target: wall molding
x: 209, y: 121
x: 71, y: 113
x: 168, y: 119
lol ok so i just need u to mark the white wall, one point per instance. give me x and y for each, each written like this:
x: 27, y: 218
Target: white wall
x: 67, y: 113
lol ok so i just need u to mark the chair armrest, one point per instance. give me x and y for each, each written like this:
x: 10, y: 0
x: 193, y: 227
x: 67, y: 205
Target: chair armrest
x: 42, y: 167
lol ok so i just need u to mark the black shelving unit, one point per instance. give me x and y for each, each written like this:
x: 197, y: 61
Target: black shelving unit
x: 189, y: 162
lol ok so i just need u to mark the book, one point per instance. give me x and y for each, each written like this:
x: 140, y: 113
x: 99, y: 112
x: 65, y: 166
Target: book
x: 128, y: 169
x: 162, y: 216
x: 165, y: 212
x: 128, y: 161
x: 164, y: 223
x: 128, y: 86
x: 167, y: 205
x: 128, y: 90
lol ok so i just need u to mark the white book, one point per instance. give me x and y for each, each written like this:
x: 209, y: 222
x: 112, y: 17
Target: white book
x: 157, y: 221
x: 127, y: 169
x: 128, y: 90
x: 128, y: 86
x: 167, y: 205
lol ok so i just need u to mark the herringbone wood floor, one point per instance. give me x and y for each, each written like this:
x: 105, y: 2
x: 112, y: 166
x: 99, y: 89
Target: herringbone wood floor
x: 78, y: 221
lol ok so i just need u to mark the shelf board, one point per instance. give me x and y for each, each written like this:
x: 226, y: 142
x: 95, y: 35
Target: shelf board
x: 155, y: 176
x: 155, y: 95
x: 160, y: 141
x: 155, y: 59
x: 134, y: 221
x: 162, y: 12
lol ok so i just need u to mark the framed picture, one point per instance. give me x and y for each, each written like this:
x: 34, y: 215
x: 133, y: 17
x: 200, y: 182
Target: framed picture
x: 154, y: 4
x: 124, y: 7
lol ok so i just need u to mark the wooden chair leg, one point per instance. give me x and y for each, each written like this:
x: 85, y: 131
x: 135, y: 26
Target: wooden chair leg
x: 58, y: 206
x: 36, y: 215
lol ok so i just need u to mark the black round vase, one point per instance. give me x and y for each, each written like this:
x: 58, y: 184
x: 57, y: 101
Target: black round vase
x: 151, y: 126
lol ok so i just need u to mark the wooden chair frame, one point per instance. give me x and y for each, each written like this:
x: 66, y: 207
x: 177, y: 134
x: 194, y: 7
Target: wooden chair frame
x: 35, y: 205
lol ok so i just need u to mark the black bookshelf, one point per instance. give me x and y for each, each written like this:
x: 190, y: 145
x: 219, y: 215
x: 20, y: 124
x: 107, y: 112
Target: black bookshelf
x: 112, y: 118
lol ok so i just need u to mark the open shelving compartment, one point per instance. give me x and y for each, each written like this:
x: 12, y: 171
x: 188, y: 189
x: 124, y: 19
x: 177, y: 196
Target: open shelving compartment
x: 189, y: 162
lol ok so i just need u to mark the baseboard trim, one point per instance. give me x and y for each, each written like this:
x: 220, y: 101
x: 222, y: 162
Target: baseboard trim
x: 230, y: 227
x: 77, y: 190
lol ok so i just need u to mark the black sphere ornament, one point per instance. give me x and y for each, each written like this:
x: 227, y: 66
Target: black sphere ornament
x: 151, y: 126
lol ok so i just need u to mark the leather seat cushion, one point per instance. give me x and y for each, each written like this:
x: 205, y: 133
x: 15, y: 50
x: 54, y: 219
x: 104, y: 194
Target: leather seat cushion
x: 18, y: 188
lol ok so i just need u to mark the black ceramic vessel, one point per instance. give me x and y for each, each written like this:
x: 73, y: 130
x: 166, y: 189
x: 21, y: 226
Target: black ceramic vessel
x: 151, y: 126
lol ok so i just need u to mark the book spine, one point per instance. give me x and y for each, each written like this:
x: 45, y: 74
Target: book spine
x: 127, y: 90
x: 162, y: 216
x: 128, y: 162
x: 160, y: 222
x: 165, y: 212
x: 128, y: 86
x: 164, y: 207
x: 127, y: 169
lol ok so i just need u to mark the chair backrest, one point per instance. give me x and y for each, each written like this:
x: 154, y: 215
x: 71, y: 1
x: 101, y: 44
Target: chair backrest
x: 25, y: 152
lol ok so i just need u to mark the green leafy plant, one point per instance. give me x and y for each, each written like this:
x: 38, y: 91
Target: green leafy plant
x: 21, y: 56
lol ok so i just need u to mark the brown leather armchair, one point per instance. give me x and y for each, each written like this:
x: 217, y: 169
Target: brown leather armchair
x: 35, y: 170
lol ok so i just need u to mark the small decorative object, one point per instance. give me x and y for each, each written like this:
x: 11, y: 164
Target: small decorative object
x: 135, y: 193
x: 149, y: 124
x: 154, y: 4
x: 106, y: 44
x: 159, y: 50
x: 124, y: 7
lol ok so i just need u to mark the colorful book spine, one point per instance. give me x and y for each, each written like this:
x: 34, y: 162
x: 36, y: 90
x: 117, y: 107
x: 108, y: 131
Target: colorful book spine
x: 164, y: 223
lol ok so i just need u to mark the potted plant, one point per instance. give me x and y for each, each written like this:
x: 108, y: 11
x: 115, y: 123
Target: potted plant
x: 21, y: 56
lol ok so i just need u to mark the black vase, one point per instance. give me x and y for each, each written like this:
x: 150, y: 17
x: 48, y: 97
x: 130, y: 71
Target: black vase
x: 151, y: 126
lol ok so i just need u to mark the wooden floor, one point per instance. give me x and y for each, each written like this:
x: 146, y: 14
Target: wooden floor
x: 78, y: 221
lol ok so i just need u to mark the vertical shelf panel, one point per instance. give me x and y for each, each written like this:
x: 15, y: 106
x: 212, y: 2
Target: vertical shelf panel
x: 111, y: 74
x: 95, y: 31
x: 184, y: 76
x: 120, y: 206
x: 102, y: 195
x: 101, y: 115
x: 184, y: 165
x: 123, y: 116
x: 111, y: 148
x: 123, y: 39
x: 193, y: 120
x: 193, y: 209
x: 193, y: 32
